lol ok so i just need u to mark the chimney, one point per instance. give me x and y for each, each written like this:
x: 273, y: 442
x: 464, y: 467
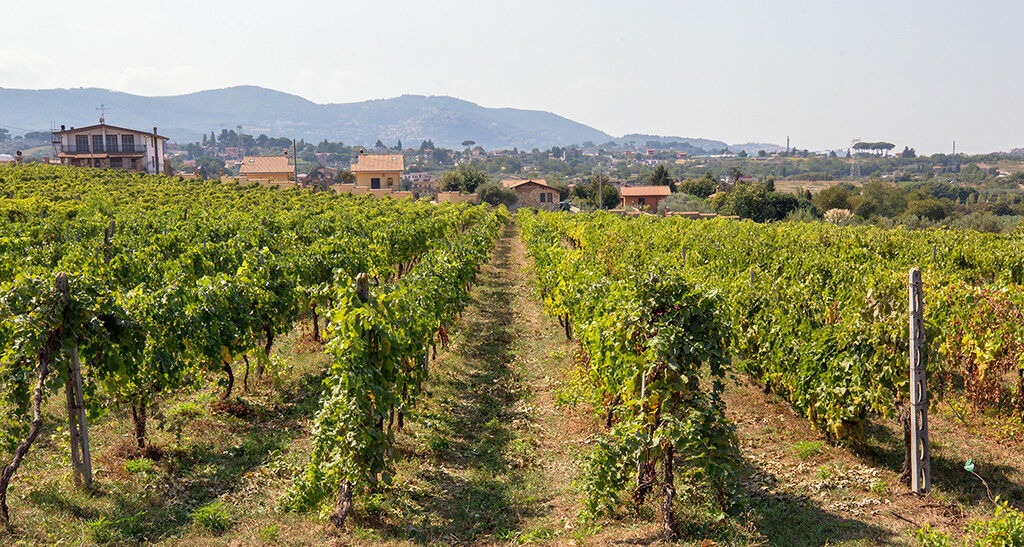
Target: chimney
x: 62, y: 127
x: 154, y: 130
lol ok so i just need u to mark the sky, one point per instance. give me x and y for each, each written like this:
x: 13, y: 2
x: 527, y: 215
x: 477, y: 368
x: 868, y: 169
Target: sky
x: 914, y: 73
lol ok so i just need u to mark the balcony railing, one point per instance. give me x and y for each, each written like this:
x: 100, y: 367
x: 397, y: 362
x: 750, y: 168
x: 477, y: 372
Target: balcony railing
x: 120, y: 149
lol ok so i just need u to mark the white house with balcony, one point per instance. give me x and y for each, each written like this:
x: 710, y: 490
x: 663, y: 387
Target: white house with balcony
x: 111, y: 147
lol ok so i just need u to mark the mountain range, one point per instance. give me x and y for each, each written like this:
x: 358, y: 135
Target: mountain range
x: 447, y: 121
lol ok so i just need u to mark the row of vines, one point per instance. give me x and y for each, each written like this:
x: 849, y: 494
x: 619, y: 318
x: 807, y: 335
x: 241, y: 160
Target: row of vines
x: 814, y: 312
x: 156, y: 286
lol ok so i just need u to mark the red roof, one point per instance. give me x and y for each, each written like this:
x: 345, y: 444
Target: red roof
x: 644, y: 191
x: 516, y: 183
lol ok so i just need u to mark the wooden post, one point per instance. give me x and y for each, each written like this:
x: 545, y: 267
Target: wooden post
x: 920, y: 458
x: 684, y: 257
x: 78, y: 427
x: 751, y: 277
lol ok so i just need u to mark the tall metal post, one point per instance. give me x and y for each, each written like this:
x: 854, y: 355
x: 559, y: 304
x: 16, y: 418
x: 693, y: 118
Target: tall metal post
x: 920, y: 457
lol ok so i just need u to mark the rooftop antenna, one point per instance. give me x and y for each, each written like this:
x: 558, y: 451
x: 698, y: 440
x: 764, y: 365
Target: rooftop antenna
x: 103, y: 112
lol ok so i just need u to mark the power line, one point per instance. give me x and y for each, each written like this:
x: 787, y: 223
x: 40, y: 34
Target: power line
x: 22, y: 128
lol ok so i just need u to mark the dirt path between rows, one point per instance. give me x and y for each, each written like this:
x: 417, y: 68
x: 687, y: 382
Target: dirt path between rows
x: 490, y: 458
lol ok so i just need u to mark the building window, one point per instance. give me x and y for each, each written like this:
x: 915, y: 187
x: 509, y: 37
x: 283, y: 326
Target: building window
x: 111, y: 143
x: 82, y: 144
x: 375, y: 183
x: 117, y: 163
x: 128, y: 143
x: 390, y: 182
x: 96, y: 162
x: 641, y: 202
x: 97, y: 143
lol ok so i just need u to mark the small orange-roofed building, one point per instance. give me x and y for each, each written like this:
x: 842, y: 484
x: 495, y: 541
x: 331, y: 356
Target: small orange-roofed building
x: 645, y: 198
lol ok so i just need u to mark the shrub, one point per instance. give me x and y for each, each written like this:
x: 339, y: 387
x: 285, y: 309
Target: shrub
x: 496, y: 194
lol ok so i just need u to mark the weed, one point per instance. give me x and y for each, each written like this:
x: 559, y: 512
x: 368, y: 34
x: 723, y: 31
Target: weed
x: 178, y: 417
x: 825, y: 472
x: 138, y: 465
x: 102, y: 530
x: 880, y: 487
x: 213, y: 516
x: 270, y: 533
x: 806, y: 450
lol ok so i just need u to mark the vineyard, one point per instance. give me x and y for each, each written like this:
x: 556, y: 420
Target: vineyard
x: 812, y: 312
x: 191, y: 361
x: 148, y: 287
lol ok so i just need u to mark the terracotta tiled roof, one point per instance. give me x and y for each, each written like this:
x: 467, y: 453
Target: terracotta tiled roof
x: 379, y: 162
x: 256, y: 165
x: 514, y: 183
x: 644, y: 191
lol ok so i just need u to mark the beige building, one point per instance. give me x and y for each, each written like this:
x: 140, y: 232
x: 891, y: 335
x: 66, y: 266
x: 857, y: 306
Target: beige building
x: 379, y: 171
x: 111, y: 147
x: 533, y: 193
x: 266, y: 169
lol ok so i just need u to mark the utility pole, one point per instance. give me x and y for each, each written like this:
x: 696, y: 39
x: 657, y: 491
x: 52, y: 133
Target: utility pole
x: 295, y: 160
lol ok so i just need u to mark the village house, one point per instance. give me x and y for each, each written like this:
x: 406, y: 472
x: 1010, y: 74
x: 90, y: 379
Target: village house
x: 533, y: 193
x: 643, y: 197
x: 378, y: 171
x: 420, y: 184
x: 266, y: 169
x: 111, y: 147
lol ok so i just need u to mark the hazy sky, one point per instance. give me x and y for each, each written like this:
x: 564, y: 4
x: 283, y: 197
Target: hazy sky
x: 917, y: 73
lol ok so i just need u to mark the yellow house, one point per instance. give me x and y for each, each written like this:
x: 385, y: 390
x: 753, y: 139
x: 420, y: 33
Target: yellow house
x: 379, y: 171
x: 266, y: 169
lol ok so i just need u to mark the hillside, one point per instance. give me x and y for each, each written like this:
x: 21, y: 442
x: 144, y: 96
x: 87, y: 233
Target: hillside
x: 698, y: 145
x: 447, y: 121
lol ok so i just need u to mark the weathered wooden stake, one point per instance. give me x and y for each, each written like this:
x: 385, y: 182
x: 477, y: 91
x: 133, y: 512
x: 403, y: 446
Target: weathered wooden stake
x: 684, y: 257
x: 78, y: 427
x: 920, y: 457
